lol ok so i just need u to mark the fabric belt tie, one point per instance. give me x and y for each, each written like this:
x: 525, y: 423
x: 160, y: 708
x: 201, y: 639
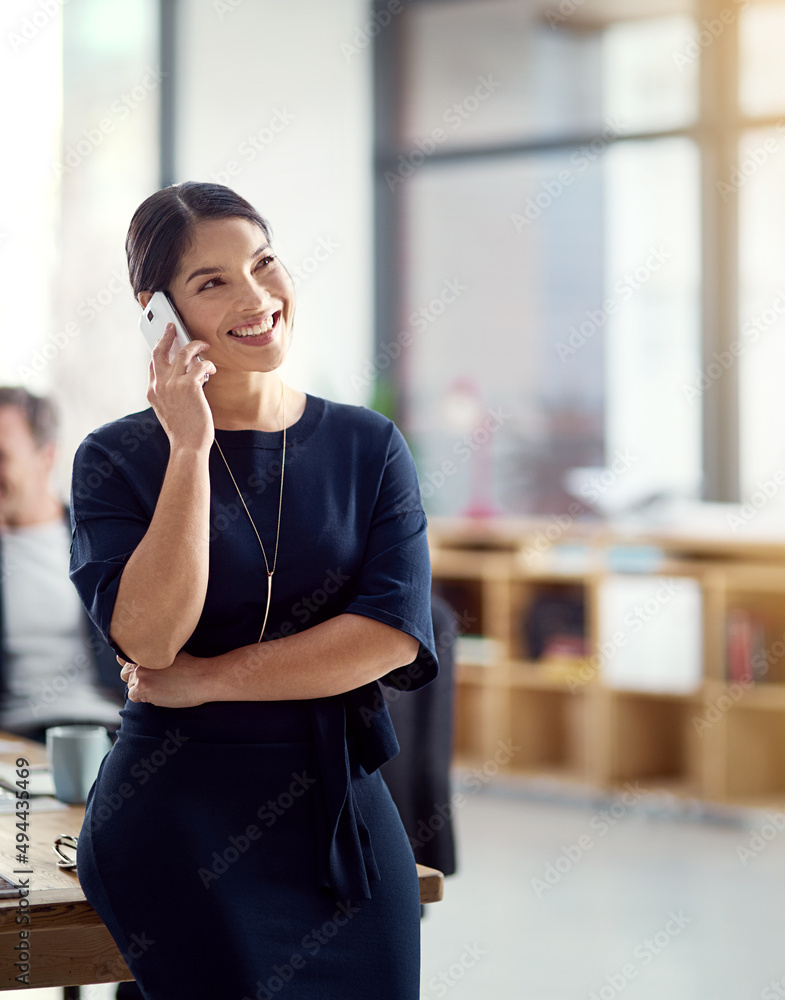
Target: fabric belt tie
x: 345, y: 863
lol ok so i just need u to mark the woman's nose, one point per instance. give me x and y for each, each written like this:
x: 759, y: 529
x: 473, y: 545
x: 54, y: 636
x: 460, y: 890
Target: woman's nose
x: 252, y: 294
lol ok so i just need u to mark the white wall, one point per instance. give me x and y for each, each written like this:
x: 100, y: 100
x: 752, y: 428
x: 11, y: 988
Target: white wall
x: 276, y: 72
x: 82, y: 95
x: 30, y: 70
x: 295, y: 75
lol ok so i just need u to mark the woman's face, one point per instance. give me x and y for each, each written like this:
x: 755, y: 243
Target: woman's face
x: 232, y: 291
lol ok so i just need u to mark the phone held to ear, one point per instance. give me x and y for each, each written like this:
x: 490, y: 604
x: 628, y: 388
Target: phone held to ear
x: 156, y: 315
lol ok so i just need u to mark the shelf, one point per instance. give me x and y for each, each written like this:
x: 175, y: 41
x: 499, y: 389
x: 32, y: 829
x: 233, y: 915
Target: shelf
x: 498, y: 533
x: 675, y: 696
x: 555, y: 675
x: 549, y: 727
x: 755, y: 753
x: 756, y: 578
x: 704, y: 738
x: 469, y: 565
x: 652, y: 738
x: 553, y: 573
x: 480, y: 673
x: 477, y: 710
x: 762, y: 695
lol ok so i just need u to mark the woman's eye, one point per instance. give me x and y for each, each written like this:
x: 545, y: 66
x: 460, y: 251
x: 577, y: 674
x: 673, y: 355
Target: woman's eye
x: 265, y: 261
x: 209, y: 284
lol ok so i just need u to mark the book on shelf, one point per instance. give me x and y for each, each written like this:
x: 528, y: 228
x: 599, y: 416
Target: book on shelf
x: 554, y: 624
x: 745, y: 658
x: 564, y: 647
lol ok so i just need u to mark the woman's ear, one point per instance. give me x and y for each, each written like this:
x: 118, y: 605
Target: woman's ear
x: 144, y: 298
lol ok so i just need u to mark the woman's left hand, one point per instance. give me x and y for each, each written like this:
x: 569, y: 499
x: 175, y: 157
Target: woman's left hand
x: 177, y: 686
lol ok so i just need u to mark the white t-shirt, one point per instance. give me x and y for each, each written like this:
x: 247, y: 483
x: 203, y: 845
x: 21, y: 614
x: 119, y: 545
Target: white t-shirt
x: 47, y: 664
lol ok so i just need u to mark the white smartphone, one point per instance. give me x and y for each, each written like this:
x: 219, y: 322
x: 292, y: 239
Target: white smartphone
x: 156, y: 315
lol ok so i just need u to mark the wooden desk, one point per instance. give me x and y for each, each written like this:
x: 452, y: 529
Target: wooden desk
x: 68, y: 942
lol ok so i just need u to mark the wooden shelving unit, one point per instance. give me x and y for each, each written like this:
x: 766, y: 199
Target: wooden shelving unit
x: 711, y: 737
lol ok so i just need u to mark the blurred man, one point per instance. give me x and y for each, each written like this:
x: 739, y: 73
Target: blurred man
x: 52, y: 661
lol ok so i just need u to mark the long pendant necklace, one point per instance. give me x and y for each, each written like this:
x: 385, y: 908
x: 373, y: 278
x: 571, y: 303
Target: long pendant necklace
x: 278, y: 529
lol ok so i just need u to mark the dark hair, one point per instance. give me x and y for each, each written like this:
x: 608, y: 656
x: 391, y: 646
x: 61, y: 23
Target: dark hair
x: 162, y: 227
x: 39, y: 412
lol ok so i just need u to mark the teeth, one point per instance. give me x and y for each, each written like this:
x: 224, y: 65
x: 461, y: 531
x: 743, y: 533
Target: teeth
x: 255, y: 330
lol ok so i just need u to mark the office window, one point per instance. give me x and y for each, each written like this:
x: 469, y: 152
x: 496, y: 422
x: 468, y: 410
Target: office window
x: 549, y: 82
x: 108, y: 163
x: 30, y: 79
x: 761, y: 337
x: 645, y: 86
x: 753, y: 186
x: 543, y: 175
x: 82, y: 83
x: 491, y: 303
x: 652, y: 339
x: 762, y: 71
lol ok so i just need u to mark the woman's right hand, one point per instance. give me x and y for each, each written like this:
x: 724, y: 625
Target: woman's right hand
x: 177, y: 395
x: 184, y: 684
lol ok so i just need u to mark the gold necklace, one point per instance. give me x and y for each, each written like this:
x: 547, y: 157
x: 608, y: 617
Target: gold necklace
x: 278, y: 529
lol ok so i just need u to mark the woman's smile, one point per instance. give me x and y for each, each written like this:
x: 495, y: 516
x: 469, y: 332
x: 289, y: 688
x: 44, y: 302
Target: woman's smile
x: 257, y: 332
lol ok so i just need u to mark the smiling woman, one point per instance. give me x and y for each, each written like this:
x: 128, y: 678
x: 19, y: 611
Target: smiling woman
x: 243, y: 297
x: 174, y: 553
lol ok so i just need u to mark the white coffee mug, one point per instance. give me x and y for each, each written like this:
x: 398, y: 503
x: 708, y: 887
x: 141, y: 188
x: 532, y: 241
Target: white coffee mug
x: 75, y: 754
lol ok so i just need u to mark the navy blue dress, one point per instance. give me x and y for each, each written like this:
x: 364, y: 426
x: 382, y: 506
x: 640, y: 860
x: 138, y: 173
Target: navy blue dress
x: 250, y: 850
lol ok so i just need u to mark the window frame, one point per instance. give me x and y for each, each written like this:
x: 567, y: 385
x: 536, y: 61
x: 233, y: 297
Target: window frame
x: 716, y: 133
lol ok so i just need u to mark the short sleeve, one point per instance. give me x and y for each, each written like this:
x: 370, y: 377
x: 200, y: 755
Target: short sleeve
x: 108, y: 521
x: 394, y: 583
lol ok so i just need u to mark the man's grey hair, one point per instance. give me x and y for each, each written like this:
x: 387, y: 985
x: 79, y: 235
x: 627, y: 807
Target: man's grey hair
x: 39, y: 412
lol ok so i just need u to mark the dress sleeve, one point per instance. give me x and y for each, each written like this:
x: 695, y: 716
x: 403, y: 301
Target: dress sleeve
x: 107, y: 522
x: 394, y: 584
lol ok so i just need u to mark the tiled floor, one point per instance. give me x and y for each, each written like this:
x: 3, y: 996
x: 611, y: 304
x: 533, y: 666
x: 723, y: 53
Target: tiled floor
x: 582, y: 899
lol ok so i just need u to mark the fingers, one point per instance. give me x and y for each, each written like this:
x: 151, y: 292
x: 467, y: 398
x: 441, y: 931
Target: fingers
x: 186, y: 356
x: 185, y: 359
x: 162, y: 348
x: 202, y: 370
x: 130, y: 674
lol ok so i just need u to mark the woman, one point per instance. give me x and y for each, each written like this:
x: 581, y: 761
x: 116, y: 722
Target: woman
x: 258, y: 559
